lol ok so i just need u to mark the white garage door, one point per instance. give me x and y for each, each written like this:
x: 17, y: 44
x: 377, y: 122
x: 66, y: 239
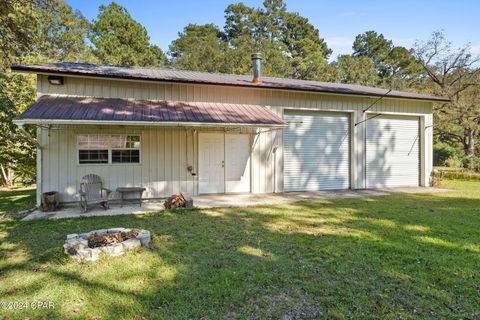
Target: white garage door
x: 317, y: 151
x: 392, y: 151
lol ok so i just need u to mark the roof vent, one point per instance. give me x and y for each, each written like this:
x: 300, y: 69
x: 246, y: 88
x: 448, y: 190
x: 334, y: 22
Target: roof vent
x: 257, y: 67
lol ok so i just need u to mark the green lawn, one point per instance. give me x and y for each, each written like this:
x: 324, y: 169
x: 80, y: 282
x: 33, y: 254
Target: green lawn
x: 401, y: 256
x: 12, y: 201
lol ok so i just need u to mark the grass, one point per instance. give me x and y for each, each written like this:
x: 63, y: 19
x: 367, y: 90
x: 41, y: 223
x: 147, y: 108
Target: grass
x: 412, y: 256
x: 14, y: 200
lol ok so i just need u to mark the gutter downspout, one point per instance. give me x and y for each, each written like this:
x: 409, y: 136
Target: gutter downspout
x: 20, y: 126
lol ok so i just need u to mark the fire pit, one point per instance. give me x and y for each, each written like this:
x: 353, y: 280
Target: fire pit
x: 110, y: 242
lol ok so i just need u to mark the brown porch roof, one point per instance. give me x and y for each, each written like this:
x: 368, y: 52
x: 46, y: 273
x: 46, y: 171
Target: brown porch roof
x: 65, y: 109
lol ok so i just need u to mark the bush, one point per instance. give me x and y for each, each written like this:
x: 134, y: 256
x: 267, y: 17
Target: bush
x: 442, y: 152
x: 455, y: 175
x: 472, y: 163
x: 454, y: 162
x: 441, y: 173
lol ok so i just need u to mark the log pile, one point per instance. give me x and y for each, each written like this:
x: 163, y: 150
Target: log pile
x: 102, y: 240
x: 178, y: 201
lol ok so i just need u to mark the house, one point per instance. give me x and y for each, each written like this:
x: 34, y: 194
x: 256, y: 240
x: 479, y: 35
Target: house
x: 176, y: 131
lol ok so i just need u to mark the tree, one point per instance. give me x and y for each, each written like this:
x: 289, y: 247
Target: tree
x: 18, y: 24
x: 238, y: 21
x: 198, y: 47
x: 290, y: 45
x: 308, y: 51
x: 309, y: 63
x: 395, y: 65
x: 18, y: 20
x: 453, y: 74
x: 373, y: 45
x: 62, y: 34
x: 356, y: 70
x: 42, y: 31
x: 119, y: 39
x: 17, y: 154
x: 400, y: 70
x: 249, y: 30
x: 32, y: 31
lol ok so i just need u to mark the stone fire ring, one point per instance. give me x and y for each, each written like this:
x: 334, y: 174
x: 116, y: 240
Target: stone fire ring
x: 76, y: 245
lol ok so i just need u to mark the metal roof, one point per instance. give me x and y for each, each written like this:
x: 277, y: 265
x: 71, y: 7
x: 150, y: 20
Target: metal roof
x: 56, y: 109
x: 171, y: 75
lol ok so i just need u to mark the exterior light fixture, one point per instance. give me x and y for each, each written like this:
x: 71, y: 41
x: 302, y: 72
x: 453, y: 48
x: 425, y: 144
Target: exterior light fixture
x: 55, y: 80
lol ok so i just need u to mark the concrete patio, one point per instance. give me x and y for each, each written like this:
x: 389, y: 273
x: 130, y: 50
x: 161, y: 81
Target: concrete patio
x: 223, y: 200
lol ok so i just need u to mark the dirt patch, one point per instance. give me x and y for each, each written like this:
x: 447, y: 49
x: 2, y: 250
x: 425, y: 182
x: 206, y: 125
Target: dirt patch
x: 286, y: 307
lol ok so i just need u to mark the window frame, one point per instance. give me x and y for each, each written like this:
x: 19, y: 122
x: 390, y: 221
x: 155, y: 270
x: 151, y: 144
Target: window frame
x: 125, y: 148
x: 109, y: 148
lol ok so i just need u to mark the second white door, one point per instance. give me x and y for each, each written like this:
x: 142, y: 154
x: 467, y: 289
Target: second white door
x: 237, y: 162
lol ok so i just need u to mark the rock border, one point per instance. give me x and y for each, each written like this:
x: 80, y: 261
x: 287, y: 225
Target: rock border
x: 76, y: 245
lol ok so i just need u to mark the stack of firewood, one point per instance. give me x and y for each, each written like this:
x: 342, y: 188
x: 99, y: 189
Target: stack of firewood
x: 178, y: 201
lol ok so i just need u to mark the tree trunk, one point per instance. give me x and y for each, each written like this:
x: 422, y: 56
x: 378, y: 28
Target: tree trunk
x: 469, y: 142
x: 7, y: 175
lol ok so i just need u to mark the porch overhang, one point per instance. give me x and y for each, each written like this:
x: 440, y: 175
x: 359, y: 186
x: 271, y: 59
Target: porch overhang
x: 40, y: 122
x: 69, y: 110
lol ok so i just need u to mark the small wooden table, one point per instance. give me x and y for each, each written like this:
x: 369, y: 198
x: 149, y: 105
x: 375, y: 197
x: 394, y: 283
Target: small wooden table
x: 125, y: 190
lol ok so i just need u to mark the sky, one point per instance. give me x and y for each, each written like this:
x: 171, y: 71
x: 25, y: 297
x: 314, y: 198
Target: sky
x: 339, y: 21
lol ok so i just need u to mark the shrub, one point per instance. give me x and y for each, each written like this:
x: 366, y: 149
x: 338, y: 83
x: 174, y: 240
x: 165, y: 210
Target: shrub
x: 440, y: 174
x: 454, y: 162
x: 472, y: 163
x: 442, y: 152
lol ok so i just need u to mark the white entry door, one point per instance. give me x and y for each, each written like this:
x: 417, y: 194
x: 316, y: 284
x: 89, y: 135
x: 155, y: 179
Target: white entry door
x: 211, y: 163
x: 237, y: 161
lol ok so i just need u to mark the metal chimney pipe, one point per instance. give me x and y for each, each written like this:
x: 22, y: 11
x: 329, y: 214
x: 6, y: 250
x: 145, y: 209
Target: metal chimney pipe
x: 257, y: 67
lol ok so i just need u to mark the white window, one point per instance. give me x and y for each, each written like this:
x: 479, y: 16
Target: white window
x: 98, y: 149
x: 125, y: 149
x: 93, y: 148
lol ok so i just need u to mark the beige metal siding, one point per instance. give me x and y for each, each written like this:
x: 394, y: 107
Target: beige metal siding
x: 426, y: 149
x: 162, y: 170
x: 266, y: 162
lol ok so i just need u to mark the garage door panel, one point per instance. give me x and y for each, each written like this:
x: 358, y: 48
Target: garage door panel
x: 392, y: 151
x: 317, y: 150
x: 400, y: 154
